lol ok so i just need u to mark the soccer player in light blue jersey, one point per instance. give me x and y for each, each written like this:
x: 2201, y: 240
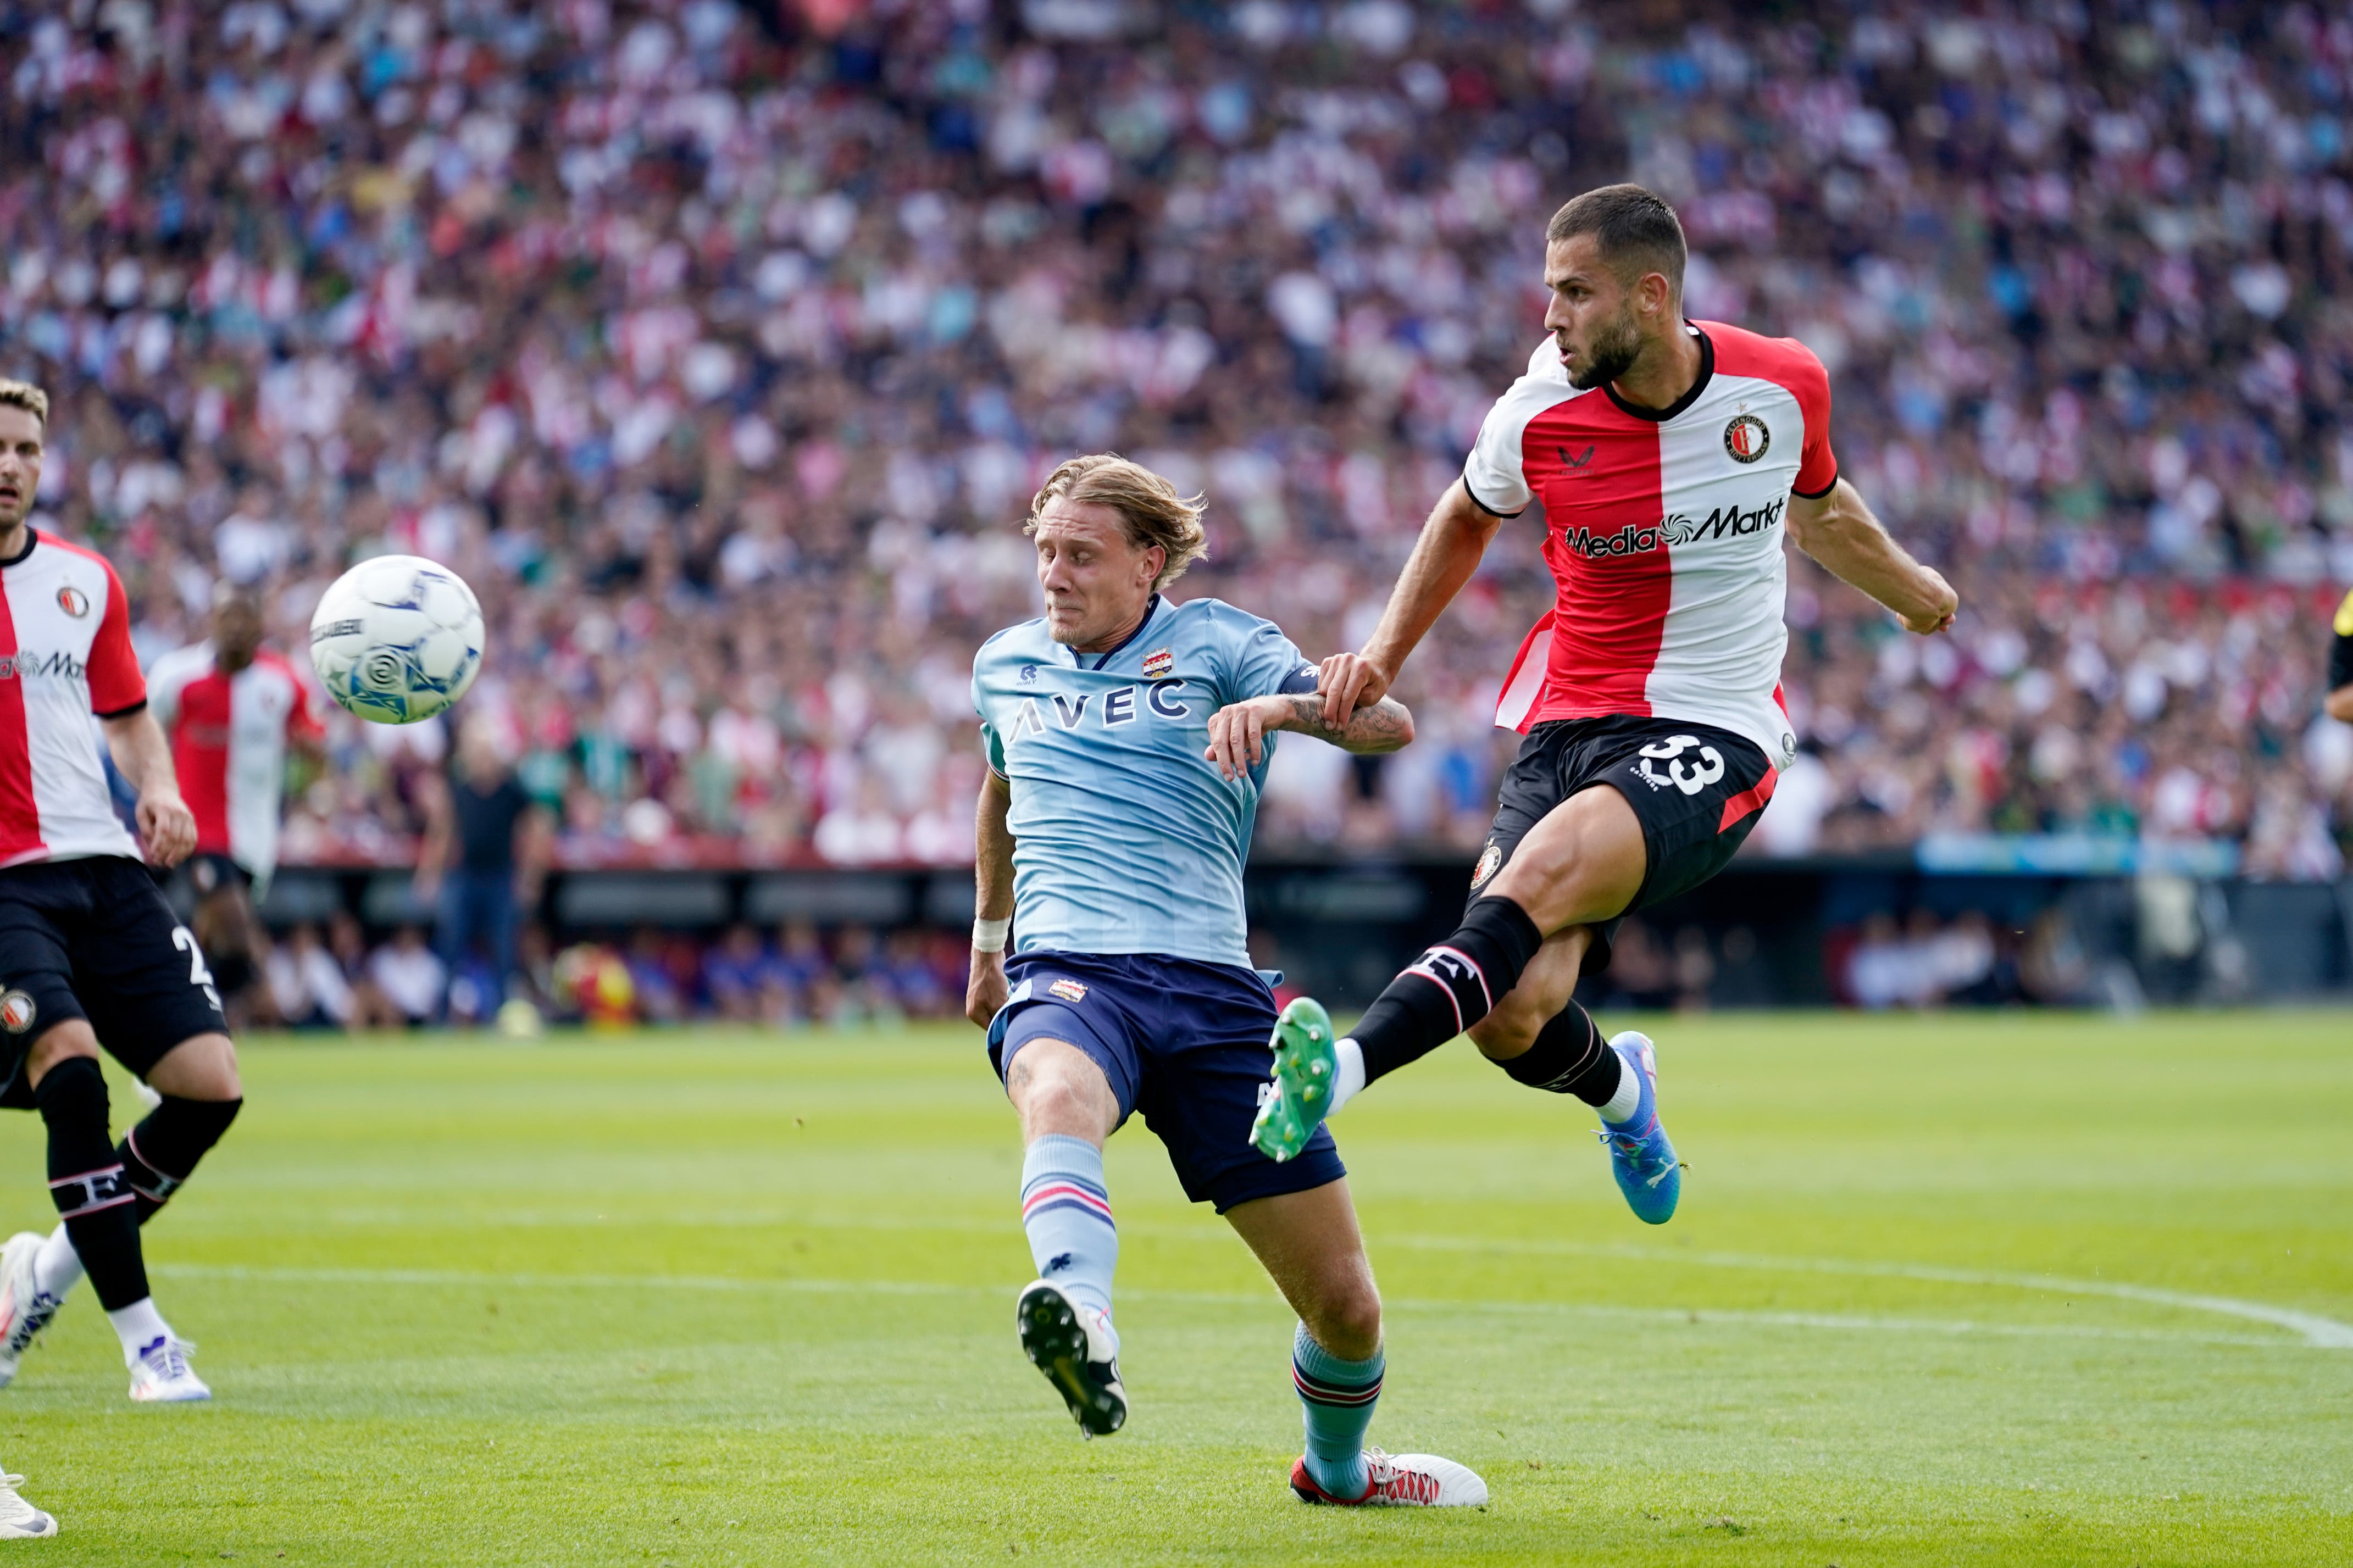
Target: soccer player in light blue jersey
x: 1127, y: 737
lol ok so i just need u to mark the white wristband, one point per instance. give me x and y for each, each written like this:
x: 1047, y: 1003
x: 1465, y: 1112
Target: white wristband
x: 988, y: 936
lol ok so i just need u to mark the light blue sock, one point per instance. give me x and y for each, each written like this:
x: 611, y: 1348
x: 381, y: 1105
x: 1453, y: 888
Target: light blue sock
x: 1066, y: 1211
x: 1338, y: 1397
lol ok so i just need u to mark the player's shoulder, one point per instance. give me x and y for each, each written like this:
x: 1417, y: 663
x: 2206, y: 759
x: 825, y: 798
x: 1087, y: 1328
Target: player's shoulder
x: 187, y: 663
x: 277, y: 664
x: 73, y: 555
x: 1023, y: 641
x: 1213, y: 619
x: 1785, y: 361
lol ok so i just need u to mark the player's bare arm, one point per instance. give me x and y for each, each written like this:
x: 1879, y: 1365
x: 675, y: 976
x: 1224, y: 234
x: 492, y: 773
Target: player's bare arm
x: 2341, y: 704
x: 993, y: 895
x: 1453, y: 540
x: 1238, y: 731
x: 1838, y: 531
x: 167, y: 828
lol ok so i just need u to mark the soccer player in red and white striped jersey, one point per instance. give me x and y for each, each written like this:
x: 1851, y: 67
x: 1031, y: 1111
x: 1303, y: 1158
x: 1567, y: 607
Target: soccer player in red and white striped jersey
x: 1672, y: 457
x: 232, y: 709
x: 90, y: 953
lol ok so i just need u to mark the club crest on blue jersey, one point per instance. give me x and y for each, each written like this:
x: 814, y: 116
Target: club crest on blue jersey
x: 1158, y: 662
x: 1068, y: 990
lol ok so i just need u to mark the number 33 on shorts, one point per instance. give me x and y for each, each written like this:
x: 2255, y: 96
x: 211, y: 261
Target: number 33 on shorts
x: 1687, y: 777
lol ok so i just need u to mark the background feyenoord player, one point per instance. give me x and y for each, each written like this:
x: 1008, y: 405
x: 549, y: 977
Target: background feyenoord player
x: 89, y: 953
x: 1666, y: 452
x: 232, y: 707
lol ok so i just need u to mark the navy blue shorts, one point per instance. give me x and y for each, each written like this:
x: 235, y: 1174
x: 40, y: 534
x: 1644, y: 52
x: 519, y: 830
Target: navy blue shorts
x: 1181, y: 1041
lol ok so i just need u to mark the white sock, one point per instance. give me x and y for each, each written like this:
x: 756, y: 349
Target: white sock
x: 1349, y: 1073
x: 138, y: 1326
x: 1629, y: 1098
x: 58, y: 1268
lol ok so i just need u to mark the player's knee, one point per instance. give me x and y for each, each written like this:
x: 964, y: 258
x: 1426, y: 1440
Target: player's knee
x: 1348, y: 1321
x: 203, y: 1067
x: 1507, y: 1031
x: 65, y: 1041
x: 1057, y: 1089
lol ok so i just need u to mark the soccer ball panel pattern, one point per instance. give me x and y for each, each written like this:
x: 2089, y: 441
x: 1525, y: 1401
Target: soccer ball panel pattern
x: 397, y: 639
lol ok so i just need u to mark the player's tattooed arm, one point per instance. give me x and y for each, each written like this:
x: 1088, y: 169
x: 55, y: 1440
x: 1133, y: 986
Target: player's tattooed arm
x: 1838, y: 531
x: 1238, y: 732
x: 985, y: 991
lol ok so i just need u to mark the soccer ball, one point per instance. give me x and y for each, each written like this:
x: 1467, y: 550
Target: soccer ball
x: 397, y: 639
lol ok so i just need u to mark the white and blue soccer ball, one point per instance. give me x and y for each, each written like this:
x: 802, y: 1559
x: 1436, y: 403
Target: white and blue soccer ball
x: 397, y: 639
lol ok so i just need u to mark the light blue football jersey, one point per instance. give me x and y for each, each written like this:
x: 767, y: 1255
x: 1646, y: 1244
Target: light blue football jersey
x: 1126, y: 839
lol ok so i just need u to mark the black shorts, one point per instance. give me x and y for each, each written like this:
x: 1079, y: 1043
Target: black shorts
x: 1184, y: 1042
x: 1697, y: 790
x: 92, y: 939
x: 211, y: 873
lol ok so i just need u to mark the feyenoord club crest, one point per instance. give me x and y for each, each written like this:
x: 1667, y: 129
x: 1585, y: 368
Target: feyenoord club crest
x: 73, y: 601
x: 1746, y: 437
x: 1157, y: 663
x: 1489, y: 859
x: 1069, y: 990
x: 17, y: 1012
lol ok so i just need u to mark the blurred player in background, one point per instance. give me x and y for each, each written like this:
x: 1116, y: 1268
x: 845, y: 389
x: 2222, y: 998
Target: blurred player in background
x: 1117, y: 849
x: 232, y: 709
x: 1667, y: 454
x: 89, y: 954
x: 2340, y: 664
x: 485, y: 859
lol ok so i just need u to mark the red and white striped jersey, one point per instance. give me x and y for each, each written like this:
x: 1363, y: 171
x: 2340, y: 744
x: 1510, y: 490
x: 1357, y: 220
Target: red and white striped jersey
x: 1664, y: 534
x: 65, y: 654
x: 228, y: 745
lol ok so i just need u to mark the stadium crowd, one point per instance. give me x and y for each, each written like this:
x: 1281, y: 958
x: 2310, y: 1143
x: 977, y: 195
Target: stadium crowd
x: 721, y: 347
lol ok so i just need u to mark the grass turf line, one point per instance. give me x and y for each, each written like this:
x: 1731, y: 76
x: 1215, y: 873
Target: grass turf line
x: 693, y: 1298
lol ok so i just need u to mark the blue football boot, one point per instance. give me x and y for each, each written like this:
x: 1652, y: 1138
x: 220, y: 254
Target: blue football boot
x: 1640, y: 1155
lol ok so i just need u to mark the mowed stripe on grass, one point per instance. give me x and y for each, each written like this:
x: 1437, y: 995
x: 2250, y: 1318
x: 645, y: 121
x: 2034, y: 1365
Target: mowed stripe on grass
x: 1943, y: 1290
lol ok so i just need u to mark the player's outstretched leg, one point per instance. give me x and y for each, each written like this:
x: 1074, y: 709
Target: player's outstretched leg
x: 1640, y: 1155
x: 1064, y: 1315
x: 1309, y: 1243
x: 87, y: 1184
x: 158, y: 1156
x: 1306, y: 1071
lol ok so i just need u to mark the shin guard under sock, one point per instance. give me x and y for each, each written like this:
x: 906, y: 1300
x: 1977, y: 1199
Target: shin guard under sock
x: 1568, y: 1055
x: 1450, y: 987
x: 162, y: 1152
x: 86, y: 1181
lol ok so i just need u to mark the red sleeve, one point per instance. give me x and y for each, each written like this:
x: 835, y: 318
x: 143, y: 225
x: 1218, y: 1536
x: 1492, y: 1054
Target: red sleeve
x: 116, y: 686
x: 302, y: 718
x: 1817, y: 469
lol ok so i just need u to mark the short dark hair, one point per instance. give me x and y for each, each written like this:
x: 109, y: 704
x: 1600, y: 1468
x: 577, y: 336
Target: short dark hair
x: 1638, y: 232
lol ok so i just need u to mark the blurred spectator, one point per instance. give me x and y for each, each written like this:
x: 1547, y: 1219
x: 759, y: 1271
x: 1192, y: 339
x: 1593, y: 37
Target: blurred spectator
x: 409, y: 976
x: 735, y: 975
x: 306, y: 984
x: 484, y: 851
x: 720, y: 352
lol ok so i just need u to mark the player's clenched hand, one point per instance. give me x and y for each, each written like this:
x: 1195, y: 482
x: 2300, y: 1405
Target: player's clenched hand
x: 167, y: 828
x: 1347, y: 681
x: 1237, y: 735
x: 986, y: 994
x: 1942, y: 603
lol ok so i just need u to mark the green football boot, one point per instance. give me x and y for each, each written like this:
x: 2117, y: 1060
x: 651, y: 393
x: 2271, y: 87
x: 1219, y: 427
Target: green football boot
x: 1290, y: 1108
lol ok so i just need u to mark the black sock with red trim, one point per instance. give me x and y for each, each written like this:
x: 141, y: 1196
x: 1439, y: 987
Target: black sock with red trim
x: 86, y: 1182
x: 1568, y: 1055
x: 1450, y: 987
x: 162, y: 1152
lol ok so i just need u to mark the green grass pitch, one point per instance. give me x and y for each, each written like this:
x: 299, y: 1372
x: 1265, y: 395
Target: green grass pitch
x: 1991, y: 1290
